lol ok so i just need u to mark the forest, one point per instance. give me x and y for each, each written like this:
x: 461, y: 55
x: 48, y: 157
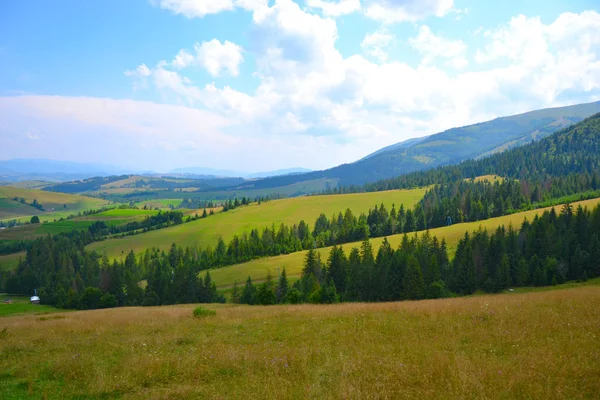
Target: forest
x: 549, y: 250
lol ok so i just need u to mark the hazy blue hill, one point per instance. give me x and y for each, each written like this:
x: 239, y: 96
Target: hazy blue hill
x: 448, y: 147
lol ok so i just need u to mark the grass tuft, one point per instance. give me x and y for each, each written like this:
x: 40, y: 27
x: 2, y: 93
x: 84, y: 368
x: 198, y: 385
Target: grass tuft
x: 201, y: 312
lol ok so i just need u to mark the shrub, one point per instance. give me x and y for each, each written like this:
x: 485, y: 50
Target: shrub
x: 201, y: 312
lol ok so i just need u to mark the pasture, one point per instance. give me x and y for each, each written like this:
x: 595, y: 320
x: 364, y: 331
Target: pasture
x: 515, y: 345
x: 205, y: 232
x: 21, y: 305
x: 113, y: 217
x: 293, y: 262
x: 56, y: 205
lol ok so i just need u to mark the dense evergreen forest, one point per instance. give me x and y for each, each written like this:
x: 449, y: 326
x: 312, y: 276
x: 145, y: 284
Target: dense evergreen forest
x: 551, y: 249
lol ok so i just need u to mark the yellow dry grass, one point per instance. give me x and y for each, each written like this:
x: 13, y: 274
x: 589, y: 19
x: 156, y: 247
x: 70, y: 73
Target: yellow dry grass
x: 535, y: 345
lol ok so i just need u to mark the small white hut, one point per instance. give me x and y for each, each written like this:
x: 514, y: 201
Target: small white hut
x: 34, y: 299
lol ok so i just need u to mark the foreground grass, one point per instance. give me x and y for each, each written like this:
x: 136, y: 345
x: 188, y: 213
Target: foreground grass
x: 535, y: 345
x: 258, y: 269
x: 205, y: 232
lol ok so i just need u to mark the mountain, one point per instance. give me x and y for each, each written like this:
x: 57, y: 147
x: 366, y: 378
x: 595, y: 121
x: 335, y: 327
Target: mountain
x: 207, y: 172
x: 52, y: 170
x: 566, y: 162
x: 448, y: 147
x: 279, y: 172
x: 210, y: 172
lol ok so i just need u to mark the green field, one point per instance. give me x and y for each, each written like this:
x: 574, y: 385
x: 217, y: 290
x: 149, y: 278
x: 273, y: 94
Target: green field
x: 32, y: 184
x: 21, y: 305
x: 57, y: 205
x: 293, y: 263
x: 159, y: 203
x: 205, y: 232
x: 506, y: 346
x: 113, y: 217
x: 9, y: 262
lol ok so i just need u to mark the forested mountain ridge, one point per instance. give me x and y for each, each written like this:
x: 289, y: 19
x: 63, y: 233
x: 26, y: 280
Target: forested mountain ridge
x: 573, y: 151
x: 449, y: 147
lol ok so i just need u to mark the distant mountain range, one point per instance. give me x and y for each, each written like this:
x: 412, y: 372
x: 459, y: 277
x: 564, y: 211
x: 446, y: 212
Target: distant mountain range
x: 206, y: 172
x: 62, y: 171
x: 446, y: 148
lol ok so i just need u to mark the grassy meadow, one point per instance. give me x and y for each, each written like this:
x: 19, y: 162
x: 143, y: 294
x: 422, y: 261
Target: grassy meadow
x: 10, y: 209
x: 293, y: 262
x: 21, y: 305
x: 515, y: 345
x: 207, y: 231
x: 113, y: 217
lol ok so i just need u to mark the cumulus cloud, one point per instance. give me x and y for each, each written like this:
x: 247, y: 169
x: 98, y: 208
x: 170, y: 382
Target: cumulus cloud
x: 390, y: 11
x: 432, y: 46
x: 216, y: 57
x: 335, y: 8
x: 307, y: 86
x: 375, y: 43
x: 313, y: 106
x: 197, y: 8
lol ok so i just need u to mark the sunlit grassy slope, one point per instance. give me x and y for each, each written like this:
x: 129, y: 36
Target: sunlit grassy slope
x: 113, y: 217
x: 10, y: 209
x: 258, y: 269
x: 21, y: 305
x: 205, y: 232
x: 528, y: 346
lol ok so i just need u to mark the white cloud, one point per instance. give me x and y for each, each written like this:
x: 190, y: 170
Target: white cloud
x: 432, y: 47
x: 182, y: 60
x: 197, y: 8
x: 335, y: 8
x: 309, y: 93
x: 374, y: 44
x: 141, y: 71
x: 216, y: 57
x: 201, y: 8
x: 390, y: 11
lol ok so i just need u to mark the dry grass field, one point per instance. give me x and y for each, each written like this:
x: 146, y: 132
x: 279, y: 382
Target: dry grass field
x: 541, y: 345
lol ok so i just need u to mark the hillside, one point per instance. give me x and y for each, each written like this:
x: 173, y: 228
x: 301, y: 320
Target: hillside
x: 449, y: 147
x: 206, y: 232
x: 514, y: 345
x: 294, y: 262
x: 52, y: 205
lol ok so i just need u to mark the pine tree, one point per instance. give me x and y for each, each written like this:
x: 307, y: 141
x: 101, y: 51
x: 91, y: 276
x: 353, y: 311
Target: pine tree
x: 503, y: 279
x: 414, y: 286
x: 338, y: 268
x: 282, y: 287
x: 249, y: 293
x: 235, y: 294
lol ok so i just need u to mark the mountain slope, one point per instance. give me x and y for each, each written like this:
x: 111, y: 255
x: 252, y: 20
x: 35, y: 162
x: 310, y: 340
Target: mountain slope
x: 449, y: 147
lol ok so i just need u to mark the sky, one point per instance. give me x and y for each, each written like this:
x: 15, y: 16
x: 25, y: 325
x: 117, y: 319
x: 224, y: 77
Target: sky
x: 255, y: 85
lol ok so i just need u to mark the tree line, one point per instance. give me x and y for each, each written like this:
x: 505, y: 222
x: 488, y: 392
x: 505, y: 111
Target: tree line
x: 551, y: 249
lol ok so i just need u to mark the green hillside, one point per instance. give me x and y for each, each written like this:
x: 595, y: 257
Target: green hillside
x: 206, y: 232
x: 293, y: 263
x: 55, y: 205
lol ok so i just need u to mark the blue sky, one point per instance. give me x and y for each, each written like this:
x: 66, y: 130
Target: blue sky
x: 254, y: 84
